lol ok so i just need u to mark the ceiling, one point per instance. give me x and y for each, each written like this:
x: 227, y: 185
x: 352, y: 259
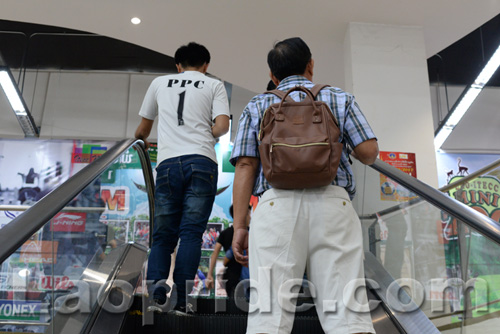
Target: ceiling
x: 240, y: 33
x: 459, y: 35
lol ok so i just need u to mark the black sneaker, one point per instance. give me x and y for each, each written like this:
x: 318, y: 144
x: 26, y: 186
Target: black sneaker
x: 160, y: 293
x: 183, y: 311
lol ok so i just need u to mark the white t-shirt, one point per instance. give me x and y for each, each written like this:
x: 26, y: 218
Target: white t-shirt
x: 189, y: 98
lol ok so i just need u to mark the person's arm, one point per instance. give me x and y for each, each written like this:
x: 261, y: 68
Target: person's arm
x: 221, y: 126
x: 244, y: 178
x: 366, y: 152
x: 228, y: 257
x: 220, y: 111
x: 213, y: 259
x: 358, y: 134
x: 144, y: 129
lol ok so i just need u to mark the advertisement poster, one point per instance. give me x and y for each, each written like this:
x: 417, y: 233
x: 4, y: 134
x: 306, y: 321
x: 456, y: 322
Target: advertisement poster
x: 391, y: 190
x: 31, y: 169
x: 450, y: 165
x: 123, y: 191
x: 482, y: 194
x: 200, y: 286
x: 220, y: 290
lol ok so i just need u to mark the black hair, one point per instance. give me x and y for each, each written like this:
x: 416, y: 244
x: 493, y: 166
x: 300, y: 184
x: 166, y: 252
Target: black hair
x: 289, y: 57
x: 192, y: 55
x: 271, y: 85
x: 231, y: 210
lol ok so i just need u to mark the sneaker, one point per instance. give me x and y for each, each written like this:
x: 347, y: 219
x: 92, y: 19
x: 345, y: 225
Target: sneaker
x: 183, y: 311
x: 160, y: 293
x: 155, y: 309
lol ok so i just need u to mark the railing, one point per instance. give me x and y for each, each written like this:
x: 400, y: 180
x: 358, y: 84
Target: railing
x: 444, y: 252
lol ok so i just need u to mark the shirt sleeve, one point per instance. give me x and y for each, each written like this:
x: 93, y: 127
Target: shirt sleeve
x: 246, y: 142
x: 220, y: 104
x: 356, y: 127
x: 149, y: 108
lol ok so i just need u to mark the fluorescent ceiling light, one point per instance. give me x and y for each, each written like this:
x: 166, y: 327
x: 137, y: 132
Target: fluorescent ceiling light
x: 489, y: 69
x: 135, y: 20
x: 463, y: 106
x: 466, y: 100
x: 11, y: 92
x: 16, y: 101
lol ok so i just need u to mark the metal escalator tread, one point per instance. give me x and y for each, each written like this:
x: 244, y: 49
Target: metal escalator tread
x: 208, y: 322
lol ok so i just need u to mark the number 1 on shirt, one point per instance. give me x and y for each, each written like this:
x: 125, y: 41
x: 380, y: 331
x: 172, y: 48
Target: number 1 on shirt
x: 180, y: 107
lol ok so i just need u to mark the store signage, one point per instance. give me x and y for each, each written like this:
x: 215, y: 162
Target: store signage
x: 69, y: 222
x: 116, y: 199
x: 34, y: 251
x: 481, y: 194
x: 19, y: 310
x: 56, y: 282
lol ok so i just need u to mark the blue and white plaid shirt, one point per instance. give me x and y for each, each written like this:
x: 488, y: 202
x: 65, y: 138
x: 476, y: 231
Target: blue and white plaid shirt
x: 354, y: 128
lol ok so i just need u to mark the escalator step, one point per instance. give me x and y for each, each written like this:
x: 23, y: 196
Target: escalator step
x: 208, y: 324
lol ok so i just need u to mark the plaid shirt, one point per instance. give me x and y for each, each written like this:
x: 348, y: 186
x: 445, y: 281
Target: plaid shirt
x: 354, y: 128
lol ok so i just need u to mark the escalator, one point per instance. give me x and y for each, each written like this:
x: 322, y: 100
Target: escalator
x: 61, y: 277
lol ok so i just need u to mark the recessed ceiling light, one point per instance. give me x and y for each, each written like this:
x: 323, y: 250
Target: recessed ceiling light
x: 135, y: 20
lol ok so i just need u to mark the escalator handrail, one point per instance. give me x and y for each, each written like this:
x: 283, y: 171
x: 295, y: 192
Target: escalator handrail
x: 494, y: 165
x: 20, y: 229
x: 483, y: 224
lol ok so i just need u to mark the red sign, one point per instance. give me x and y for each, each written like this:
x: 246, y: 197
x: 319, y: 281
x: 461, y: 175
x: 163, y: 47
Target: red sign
x: 391, y: 190
x: 69, y: 222
x: 56, y: 282
x: 403, y: 161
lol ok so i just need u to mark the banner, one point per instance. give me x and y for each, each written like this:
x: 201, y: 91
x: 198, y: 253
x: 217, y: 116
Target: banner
x: 19, y: 310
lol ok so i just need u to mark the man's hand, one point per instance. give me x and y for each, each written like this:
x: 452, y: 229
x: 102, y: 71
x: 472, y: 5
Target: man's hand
x: 146, y: 143
x: 209, y: 281
x: 240, y: 246
x: 144, y: 129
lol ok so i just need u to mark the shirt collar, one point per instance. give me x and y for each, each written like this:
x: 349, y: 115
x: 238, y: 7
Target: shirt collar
x: 293, y: 80
x: 193, y: 72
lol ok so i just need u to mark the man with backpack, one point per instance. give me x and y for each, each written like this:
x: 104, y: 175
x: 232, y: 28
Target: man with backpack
x: 295, y: 226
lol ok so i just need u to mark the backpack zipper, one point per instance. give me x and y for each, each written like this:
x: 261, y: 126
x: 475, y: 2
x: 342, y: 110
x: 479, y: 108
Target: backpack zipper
x: 300, y: 145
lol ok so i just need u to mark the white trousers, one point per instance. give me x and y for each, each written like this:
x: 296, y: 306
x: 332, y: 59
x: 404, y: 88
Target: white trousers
x: 317, y: 229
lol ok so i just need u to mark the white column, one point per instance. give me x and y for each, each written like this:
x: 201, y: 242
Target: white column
x: 386, y: 70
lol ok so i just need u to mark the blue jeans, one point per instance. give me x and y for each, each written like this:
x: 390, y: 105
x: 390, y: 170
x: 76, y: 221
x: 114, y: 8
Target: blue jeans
x: 184, y: 196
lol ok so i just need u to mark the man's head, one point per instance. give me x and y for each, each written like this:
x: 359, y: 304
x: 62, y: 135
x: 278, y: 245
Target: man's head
x: 289, y: 57
x: 192, y: 55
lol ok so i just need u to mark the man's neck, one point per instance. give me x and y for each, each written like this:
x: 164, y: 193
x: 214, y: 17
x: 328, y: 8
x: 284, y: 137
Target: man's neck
x: 201, y: 69
x: 197, y: 69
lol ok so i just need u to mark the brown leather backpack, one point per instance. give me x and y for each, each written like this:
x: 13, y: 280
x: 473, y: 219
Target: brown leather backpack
x: 300, y: 145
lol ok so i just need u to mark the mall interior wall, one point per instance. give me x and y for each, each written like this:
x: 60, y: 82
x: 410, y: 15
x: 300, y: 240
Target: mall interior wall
x: 386, y: 70
x: 91, y: 105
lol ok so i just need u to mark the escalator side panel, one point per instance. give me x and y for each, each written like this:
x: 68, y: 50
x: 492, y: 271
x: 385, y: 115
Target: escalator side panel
x: 120, y: 294
x: 379, y: 281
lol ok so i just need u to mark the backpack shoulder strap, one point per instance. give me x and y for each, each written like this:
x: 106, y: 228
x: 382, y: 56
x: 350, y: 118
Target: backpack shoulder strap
x: 279, y: 93
x: 317, y: 88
